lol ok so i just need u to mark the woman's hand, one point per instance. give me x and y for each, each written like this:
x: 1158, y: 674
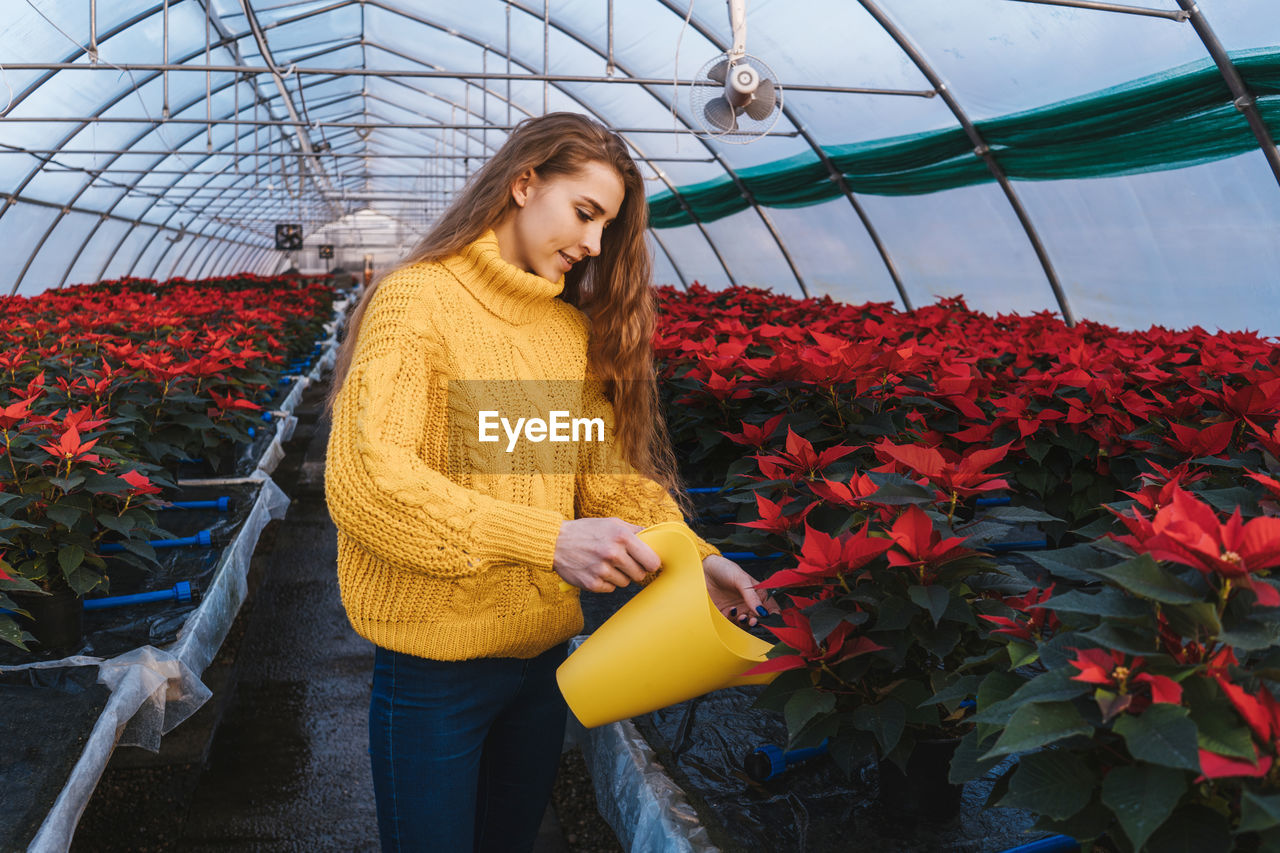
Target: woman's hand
x: 602, y: 554
x: 733, y: 591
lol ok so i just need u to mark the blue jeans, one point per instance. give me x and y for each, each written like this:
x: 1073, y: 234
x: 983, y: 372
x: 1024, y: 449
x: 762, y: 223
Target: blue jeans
x: 464, y: 753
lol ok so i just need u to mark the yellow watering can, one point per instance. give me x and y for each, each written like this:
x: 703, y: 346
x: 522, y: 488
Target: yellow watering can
x: 664, y: 646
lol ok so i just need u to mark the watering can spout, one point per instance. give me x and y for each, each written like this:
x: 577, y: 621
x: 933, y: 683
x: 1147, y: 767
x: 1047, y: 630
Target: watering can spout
x: 664, y: 646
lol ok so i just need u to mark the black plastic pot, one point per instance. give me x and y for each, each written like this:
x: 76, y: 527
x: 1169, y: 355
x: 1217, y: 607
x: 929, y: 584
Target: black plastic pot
x: 923, y: 791
x: 57, y: 619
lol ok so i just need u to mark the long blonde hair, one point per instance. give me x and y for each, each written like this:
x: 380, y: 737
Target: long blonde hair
x: 612, y: 288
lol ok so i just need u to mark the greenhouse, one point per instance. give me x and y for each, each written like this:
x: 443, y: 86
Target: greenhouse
x: 928, y: 355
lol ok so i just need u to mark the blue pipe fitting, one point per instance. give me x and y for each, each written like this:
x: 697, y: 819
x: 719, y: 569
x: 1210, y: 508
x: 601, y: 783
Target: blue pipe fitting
x: 222, y: 504
x: 768, y: 760
x: 703, y: 490
x: 266, y: 417
x: 202, y: 539
x: 1052, y: 844
x: 749, y: 555
x: 181, y: 592
x: 1004, y: 501
x: 252, y: 432
x: 285, y: 380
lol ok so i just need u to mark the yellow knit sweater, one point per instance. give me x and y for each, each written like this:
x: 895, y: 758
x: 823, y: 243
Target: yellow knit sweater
x: 445, y: 542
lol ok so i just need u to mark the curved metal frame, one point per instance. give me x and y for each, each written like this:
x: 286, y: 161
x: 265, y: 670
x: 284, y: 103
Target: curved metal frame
x: 244, y: 204
x: 835, y: 174
x: 980, y: 148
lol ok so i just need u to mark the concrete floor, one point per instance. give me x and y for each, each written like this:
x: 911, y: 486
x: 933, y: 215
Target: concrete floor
x: 278, y: 761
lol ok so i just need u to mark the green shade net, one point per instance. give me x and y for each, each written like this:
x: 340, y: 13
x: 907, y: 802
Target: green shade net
x: 1170, y: 120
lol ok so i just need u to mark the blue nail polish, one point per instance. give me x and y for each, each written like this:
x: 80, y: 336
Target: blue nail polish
x: 762, y: 611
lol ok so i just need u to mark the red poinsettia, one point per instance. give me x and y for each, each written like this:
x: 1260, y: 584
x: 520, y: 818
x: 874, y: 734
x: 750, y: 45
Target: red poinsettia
x: 754, y: 436
x: 1120, y: 677
x: 946, y: 470
x: 773, y: 519
x: 140, y: 484
x: 799, y: 460
x: 917, y: 545
x: 1188, y: 531
x: 839, y: 646
x: 69, y: 448
x: 1032, y: 621
x: 824, y: 557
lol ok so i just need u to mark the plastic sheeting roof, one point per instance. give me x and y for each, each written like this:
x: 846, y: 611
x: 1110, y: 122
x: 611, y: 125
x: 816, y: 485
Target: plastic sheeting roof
x: 407, y: 98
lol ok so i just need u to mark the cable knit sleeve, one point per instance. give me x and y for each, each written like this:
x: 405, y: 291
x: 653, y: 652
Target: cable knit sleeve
x: 382, y: 493
x: 607, y: 485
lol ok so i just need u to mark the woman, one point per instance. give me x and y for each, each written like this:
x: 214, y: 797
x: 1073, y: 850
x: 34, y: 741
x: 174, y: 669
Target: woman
x: 460, y: 556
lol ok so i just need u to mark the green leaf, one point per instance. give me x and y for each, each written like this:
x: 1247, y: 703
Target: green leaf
x: 70, y: 557
x: 1074, y: 563
x: 12, y: 634
x: 931, y: 598
x: 1107, y: 602
x: 893, y: 615
x: 1037, y: 725
x: 966, y: 764
x: 1252, y: 635
x: 64, y: 515
x: 1145, y: 577
x: 886, y: 720
x: 1162, y: 734
x: 1053, y: 686
x: 955, y: 690
x: 803, y: 707
x: 895, y: 489
x: 1259, y: 813
x: 1218, y: 728
x: 1191, y: 620
x: 1055, y: 783
x: 1121, y: 638
x: 1018, y: 515
x: 826, y: 616
x: 67, y: 484
x: 1192, y: 829
x: 122, y: 525
x: 1021, y: 654
x: 1142, y: 797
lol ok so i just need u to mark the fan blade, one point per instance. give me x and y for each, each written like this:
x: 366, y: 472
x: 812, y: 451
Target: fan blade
x: 720, y: 115
x: 764, y: 101
x: 718, y: 70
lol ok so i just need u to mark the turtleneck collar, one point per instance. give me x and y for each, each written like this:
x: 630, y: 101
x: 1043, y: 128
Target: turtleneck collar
x: 509, y: 292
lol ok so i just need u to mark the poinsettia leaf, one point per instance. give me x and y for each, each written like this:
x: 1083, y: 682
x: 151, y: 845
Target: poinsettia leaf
x: 895, y: 490
x: 1073, y: 563
x: 64, y: 514
x: 12, y: 634
x: 1142, y: 797
x: 120, y: 524
x: 966, y: 764
x: 1191, y: 620
x: 1193, y: 828
x: 1219, y: 729
x: 1039, y: 724
x: 67, y: 484
x: 952, y: 688
x: 1162, y: 734
x: 1107, y: 602
x: 1122, y: 638
x: 1258, y: 813
x: 1252, y: 635
x: 885, y: 719
x: 70, y: 557
x: 932, y: 598
x: 826, y: 616
x: 1145, y: 577
x: 1055, y: 782
x: 803, y: 707
x: 1018, y: 515
x: 1053, y: 686
x: 1085, y: 825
